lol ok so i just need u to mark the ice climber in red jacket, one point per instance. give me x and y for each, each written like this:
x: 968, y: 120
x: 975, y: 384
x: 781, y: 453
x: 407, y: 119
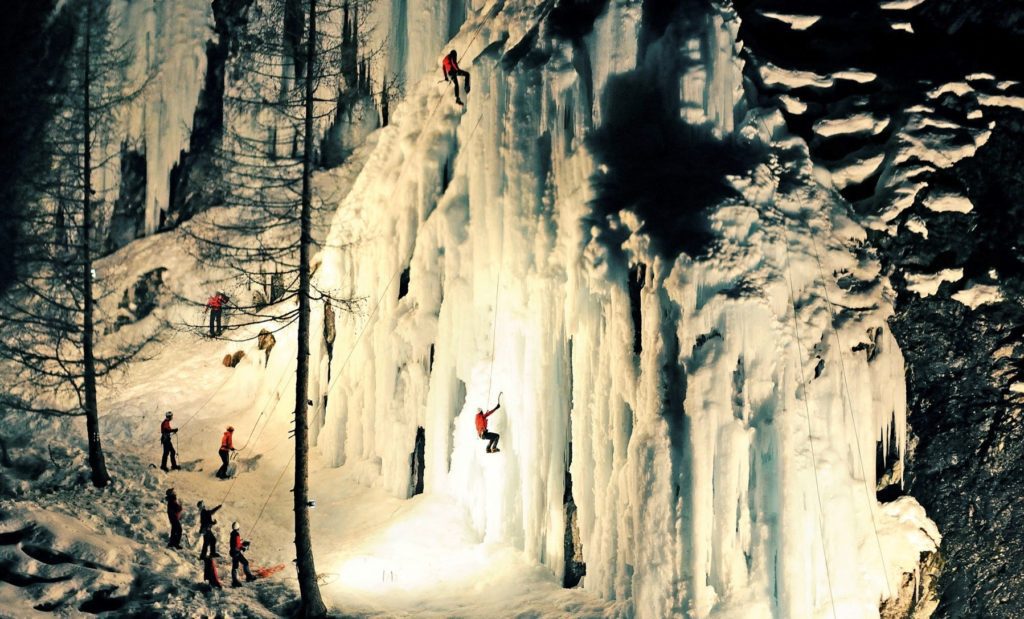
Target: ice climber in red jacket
x: 481, y: 428
x: 450, y: 69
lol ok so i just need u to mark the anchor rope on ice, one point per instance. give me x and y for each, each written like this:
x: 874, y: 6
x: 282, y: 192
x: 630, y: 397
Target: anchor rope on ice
x: 373, y: 312
x: 394, y: 275
x: 849, y: 400
x: 259, y: 516
x: 494, y: 318
x: 846, y: 383
x: 272, y: 400
x: 207, y: 401
x: 807, y: 411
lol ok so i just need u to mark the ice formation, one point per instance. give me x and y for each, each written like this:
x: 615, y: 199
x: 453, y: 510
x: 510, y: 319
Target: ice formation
x: 714, y: 422
x: 166, y: 47
x: 718, y: 417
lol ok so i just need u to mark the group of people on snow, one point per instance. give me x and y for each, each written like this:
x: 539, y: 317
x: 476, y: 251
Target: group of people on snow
x: 207, y: 524
x: 237, y: 547
x: 208, y: 554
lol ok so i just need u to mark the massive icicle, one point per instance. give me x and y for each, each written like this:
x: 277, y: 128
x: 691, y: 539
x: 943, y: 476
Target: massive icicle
x: 167, y: 46
x: 723, y: 460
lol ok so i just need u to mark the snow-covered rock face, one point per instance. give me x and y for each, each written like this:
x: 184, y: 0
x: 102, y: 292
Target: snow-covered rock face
x: 937, y: 190
x: 718, y: 412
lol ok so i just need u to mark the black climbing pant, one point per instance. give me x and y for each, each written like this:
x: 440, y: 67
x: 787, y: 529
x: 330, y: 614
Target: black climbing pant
x: 175, y: 540
x: 238, y: 558
x: 209, y: 544
x: 215, y: 325
x: 222, y: 472
x: 493, y: 438
x: 454, y: 77
x: 168, y: 452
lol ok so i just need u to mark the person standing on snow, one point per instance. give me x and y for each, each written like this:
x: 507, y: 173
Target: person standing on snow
x: 174, y: 511
x: 450, y: 69
x: 481, y: 428
x: 226, y: 447
x: 215, y: 305
x: 206, y: 523
x: 237, y: 551
x: 165, y: 439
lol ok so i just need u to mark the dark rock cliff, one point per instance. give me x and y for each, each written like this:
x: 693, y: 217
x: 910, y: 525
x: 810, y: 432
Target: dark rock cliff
x: 966, y: 464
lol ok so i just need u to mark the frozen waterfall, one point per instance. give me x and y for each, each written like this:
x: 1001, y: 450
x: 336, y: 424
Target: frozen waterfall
x: 718, y: 416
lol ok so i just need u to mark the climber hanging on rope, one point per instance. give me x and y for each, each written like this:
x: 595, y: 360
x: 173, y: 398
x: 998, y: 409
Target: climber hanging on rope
x: 451, y: 71
x: 481, y: 427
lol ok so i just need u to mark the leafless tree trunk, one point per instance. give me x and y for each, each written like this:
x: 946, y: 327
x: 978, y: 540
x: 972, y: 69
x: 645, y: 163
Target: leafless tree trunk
x: 312, y: 604
x: 100, y: 477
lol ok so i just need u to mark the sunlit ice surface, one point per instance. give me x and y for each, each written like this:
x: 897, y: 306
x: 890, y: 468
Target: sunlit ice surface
x: 378, y: 554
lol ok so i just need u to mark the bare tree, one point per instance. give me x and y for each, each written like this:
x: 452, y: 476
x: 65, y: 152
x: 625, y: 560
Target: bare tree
x: 300, y: 76
x: 50, y: 343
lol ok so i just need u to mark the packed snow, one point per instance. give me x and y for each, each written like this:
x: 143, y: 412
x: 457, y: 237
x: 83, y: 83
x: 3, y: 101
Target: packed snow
x: 976, y: 295
x: 796, y: 22
x: 900, y: 5
x: 927, y: 284
x: 855, y: 169
x: 988, y: 100
x: 917, y: 225
x: 854, y: 124
x: 948, y: 203
x: 792, y: 105
x: 855, y: 75
x: 777, y: 76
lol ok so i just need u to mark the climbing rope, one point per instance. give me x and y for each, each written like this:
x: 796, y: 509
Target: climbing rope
x: 494, y: 319
x: 842, y: 366
x: 853, y: 417
x: 252, y: 530
x: 207, y: 401
x: 270, y: 404
x: 810, y: 439
x: 380, y: 299
x: 331, y: 384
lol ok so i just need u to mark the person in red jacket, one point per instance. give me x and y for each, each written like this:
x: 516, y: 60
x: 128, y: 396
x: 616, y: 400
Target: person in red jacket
x: 481, y: 428
x: 215, y: 305
x: 165, y: 439
x: 237, y: 552
x: 450, y: 69
x: 174, y: 511
x: 226, y: 447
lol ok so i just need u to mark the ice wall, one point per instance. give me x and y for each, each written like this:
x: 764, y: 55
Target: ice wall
x: 723, y: 413
x: 166, y: 45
